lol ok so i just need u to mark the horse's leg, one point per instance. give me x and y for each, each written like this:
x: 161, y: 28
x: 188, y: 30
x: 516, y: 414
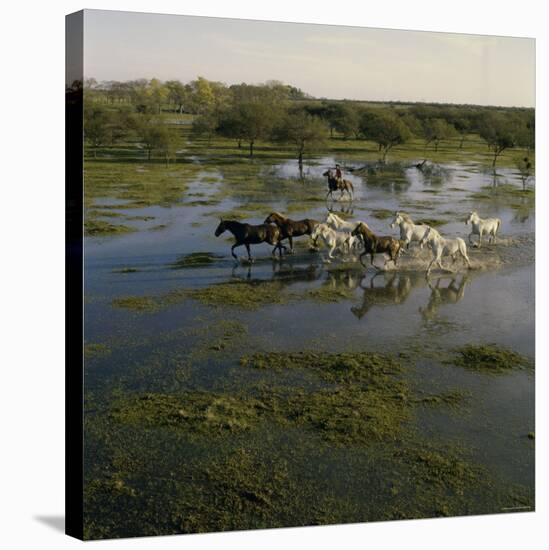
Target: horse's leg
x: 480, y: 238
x: 232, y: 250
x: 466, y: 258
x: 429, y: 267
x: 362, y: 256
x: 470, y: 235
x: 250, y: 259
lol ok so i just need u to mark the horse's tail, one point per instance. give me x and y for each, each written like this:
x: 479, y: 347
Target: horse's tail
x: 498, y: 225
x: 351, y: 186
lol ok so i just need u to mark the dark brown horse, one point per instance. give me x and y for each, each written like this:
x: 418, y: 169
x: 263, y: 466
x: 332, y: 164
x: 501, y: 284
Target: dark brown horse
x: 246, y: 234
x: 290, y: 228
x: 334, y: 184
x: 377, y: 245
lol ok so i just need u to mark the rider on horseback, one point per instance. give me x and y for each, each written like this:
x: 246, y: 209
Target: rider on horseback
x: 338, y: 173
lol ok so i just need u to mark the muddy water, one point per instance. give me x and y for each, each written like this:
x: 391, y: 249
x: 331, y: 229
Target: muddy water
x: 392, y: 312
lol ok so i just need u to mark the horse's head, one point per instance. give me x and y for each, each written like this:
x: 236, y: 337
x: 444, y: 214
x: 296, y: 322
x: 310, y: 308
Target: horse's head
x: 331, y: 218
x: 221, y: 228
x: 398, y: 219
x: 472, y: 217
x: 274, y: 217
x: 358, y: 229
x: 328, y: 173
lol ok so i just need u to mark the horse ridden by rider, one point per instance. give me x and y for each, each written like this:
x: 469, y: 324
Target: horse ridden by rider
x: 337, y: 182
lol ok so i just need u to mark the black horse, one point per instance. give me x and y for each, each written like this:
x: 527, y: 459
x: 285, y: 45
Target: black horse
x: 246, y: 234
x: 334, y: 184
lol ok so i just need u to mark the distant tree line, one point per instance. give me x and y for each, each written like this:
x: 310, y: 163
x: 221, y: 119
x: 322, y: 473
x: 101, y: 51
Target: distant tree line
x: 277, y: 112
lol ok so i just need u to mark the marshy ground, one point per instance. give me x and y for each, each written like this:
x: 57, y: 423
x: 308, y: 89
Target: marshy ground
x: 222, y: 396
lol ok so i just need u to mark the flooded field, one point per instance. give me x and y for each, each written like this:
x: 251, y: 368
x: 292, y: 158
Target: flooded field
x: 227, y: 395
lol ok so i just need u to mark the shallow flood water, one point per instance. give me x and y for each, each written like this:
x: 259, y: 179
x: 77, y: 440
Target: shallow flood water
x: 335, y: 308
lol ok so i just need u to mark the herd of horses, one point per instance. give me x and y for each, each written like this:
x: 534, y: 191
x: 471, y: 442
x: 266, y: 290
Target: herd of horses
x: 342, y: 236
x: 347, y: 237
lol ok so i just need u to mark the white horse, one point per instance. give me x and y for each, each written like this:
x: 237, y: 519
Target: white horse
x: 489, y: 226
x: 409, y: 231
x: 333, y: 239
x: 444, y: 247
x: 339, y: 224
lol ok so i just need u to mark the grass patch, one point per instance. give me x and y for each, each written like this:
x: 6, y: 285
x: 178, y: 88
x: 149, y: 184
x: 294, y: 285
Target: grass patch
x: 244, y: 295
x: 136, y: 303
x: 195, y: 259
x: 327, y: 294
x: 195, y: 412
x: 433, y: 222
x: 489, y: 359
x: 126, y: 270
x: 451, y: 398
x: 96, y: 350
x: 382, y: 214
x: 99, y: 228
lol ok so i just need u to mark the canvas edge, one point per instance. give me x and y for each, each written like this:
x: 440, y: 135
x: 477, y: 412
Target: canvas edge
x: 74, y: 436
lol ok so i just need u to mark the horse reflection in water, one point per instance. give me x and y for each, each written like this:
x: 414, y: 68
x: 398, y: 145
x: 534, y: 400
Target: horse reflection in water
x: 284, y: 274
x: 340, y: 208
x: 344, y: 279
x: 395, y: 291
x: 444, y: 295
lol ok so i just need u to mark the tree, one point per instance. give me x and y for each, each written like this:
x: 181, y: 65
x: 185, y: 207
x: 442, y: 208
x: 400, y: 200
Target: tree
x: 345, y: 119
x: 230, y: 126
x: 498, y: 132
x: 463, y: 127
x: 252, y: 121
x: 201, y: 96
x: 177, y: 94
x: 302, y: 131
x: 525, y: 169
x: 157, y: 136
x: 205, y: 125
x: 435, y: 130
x: 525, y: 132
x: 96, y: 127
x: 384, y: 128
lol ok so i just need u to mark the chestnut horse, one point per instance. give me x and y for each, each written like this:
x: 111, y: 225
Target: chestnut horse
x: 334, y: 184
x: 290, y: 228
x: 377, y: 245
x: 246, y: 234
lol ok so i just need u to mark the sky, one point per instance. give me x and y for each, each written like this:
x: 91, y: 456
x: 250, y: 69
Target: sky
x: 325, y: 61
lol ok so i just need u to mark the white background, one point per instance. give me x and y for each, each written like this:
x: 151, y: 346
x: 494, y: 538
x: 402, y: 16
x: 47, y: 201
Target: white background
x: 32, y: 271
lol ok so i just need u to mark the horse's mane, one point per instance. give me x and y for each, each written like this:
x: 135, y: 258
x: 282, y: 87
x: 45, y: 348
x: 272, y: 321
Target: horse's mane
x: 366, y: 226
x: 406, y: 217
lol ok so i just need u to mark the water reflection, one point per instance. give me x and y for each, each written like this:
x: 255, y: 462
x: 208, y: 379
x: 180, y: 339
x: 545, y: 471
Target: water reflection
x: 379, y: 289
x: 340, y: 207
x: 433, y: 174
x: 286, y: 273
x: 386, y: 289
x: 452, y: 293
